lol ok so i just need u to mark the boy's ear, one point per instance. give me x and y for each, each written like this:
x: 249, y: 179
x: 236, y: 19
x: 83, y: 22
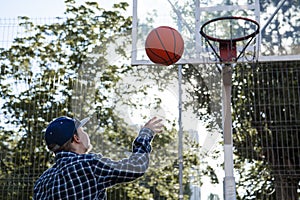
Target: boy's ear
x: 76, y: 138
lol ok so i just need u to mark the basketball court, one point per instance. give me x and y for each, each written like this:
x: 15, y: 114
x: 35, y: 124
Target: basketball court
x: 233, y: 96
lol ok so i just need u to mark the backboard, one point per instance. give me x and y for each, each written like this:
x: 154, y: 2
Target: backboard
x: 279, y: 37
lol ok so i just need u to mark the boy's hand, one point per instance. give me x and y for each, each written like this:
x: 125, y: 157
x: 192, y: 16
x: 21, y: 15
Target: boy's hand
x: 155, y: 125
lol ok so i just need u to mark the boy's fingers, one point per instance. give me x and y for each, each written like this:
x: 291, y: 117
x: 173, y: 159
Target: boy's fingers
x: 155, y: 124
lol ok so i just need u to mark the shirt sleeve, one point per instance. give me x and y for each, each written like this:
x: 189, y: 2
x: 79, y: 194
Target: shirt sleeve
x: 111, y: 172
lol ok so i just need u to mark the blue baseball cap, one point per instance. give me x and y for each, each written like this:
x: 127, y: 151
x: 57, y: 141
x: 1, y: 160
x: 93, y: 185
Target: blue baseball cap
x: 62, y: 129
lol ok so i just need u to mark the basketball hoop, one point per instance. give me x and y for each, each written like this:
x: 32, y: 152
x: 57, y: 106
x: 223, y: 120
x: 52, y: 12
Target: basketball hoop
x: 239, y: 29
x: 227, y: 32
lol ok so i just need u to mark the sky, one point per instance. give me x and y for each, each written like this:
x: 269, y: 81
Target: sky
x: 40, y: 8
x: 31, y: 8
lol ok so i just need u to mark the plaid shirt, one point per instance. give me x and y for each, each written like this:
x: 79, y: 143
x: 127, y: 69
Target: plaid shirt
x: 86, y: 176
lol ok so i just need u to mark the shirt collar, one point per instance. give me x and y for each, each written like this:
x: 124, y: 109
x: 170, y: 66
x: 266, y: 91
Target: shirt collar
x: 64, y: 154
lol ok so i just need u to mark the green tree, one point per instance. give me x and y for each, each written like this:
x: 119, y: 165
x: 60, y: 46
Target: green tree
x: 61, y: 69
x: 39, y: 73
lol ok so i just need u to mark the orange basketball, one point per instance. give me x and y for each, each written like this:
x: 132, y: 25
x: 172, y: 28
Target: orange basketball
x: 164, y: 45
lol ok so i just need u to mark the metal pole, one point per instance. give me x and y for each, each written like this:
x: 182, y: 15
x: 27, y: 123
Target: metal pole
x: 180, y: 134
x: 198, y: 41
x: 229, y: 182
x: 134, y: 32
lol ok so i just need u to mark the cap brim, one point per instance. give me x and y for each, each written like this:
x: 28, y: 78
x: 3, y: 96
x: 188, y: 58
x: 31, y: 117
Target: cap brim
x: 81, y: 123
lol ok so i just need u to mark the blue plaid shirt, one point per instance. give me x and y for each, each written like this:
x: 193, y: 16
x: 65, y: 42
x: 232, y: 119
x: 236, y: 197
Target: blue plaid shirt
x: 86, y: 176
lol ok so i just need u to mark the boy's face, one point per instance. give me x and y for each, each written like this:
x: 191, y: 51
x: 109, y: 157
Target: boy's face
x: 85, y: 139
